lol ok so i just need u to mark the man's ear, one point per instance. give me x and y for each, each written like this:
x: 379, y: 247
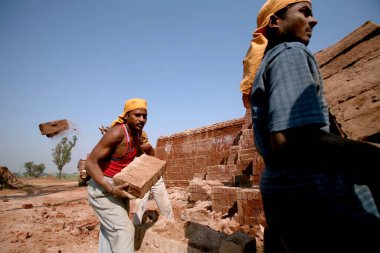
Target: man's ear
x: 273, y: 21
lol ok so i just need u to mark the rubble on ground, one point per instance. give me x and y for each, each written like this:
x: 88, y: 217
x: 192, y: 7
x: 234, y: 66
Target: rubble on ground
x: 8, y: 180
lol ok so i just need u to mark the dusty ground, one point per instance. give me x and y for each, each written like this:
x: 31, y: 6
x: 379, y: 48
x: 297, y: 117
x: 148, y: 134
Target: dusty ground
x: 59, y: 220
x: 48, y: 215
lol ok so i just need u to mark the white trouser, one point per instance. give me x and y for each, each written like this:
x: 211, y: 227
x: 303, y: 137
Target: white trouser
x: 161, y: 197
x: 117, y: 232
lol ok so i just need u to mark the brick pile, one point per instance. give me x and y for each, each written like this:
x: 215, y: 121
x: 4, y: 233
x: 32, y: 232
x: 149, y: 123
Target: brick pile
x: 192, y: 151
x: 224, y: 198
x: 200, y: 190
x: 250, y: 208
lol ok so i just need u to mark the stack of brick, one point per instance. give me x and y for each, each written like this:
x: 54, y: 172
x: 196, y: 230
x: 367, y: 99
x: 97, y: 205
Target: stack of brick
x: 249, y: 160
x: 223, y: 198
x: 148, y: 240
x: 258, y: 167
x: 200, y: 190
x: 233, y: 156
x: 351, y: 77
x: 250, y: 209
x: 191, y: 151
x: 141, y: 174
x: 223, y: 173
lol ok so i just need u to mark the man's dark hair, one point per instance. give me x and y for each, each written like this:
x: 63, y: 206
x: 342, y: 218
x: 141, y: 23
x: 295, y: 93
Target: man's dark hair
x: 281, y: 13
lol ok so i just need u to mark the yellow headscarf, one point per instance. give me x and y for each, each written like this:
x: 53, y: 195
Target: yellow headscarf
x: 130, y: 105
x: 258, y: 45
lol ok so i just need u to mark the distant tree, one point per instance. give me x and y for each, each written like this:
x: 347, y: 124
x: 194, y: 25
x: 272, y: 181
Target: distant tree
x: 34, y: 170
x: 62, y: 153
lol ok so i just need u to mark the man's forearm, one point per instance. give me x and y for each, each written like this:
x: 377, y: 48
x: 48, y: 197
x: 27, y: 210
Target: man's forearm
x: 307, y: 146
x: 95, y: 172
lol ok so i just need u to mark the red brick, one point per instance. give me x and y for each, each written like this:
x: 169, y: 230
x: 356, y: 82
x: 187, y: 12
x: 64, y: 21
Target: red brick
x: 141, y: 174
x: 53, y: 128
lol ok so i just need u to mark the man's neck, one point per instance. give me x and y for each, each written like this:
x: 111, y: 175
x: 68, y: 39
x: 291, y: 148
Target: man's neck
x: 272, y: 43
x: 133, y: 131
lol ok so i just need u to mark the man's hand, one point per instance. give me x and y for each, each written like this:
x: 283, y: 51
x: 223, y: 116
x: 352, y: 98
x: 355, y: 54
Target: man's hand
x: 103, y: 129
x: 147, y: 148
x: 120, y: 191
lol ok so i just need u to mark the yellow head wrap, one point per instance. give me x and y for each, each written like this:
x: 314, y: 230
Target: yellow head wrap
x: 130, y: 105
x: 259, y: 43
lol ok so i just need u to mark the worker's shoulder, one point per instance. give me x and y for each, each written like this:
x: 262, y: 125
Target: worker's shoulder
x: 116, y: 132
x: 286, y: 49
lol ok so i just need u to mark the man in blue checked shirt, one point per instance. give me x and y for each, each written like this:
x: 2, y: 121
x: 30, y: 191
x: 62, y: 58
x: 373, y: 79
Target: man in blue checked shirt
x: 308, y: 185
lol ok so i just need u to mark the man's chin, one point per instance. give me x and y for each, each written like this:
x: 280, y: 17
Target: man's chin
x: 305, y: 41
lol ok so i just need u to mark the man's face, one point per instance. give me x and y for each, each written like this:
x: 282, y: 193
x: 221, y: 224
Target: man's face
x: 136, y: 119
x: 298, y: 23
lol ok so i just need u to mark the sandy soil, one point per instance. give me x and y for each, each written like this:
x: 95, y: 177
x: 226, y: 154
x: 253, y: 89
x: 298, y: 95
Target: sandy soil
x: 47, y: 215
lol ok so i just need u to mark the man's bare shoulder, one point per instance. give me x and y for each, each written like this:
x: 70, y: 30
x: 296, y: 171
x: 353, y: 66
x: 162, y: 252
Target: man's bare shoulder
x: 114, y: 134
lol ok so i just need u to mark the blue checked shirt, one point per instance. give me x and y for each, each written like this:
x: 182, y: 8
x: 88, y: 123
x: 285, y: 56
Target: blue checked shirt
x: 287, y: 93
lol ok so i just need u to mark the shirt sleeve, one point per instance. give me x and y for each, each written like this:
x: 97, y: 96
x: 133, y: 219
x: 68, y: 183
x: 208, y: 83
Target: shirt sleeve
x: 294, y: 93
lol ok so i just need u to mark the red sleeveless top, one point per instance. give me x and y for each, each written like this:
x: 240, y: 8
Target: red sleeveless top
x: 117, y: 163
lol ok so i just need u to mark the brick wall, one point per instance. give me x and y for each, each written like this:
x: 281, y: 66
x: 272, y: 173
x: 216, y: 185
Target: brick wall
x: 200, y: 150
x: 191, y: 151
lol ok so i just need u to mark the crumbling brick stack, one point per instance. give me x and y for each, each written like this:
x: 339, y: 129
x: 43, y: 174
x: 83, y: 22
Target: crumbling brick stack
x: 250, y: 209
x: 7, y: 179
x: 351, y: 76
x: 190, y: 152
x: 224, y: 173
x: 249, y: 160
x: 211, y: 150
x: 246, y: 202
x: 224, y: 199
x: 200, y: 190
x: 141, y: 174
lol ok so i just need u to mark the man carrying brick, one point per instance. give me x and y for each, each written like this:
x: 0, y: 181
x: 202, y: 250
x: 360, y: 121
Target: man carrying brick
x: 158, y: 190
x: 116, y: 149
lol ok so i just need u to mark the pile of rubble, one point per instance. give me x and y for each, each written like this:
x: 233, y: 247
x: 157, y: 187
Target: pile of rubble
x: 8, y: 180
x: 197, y: 228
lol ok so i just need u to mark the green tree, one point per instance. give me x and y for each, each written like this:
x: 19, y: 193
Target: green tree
x: 34, y: 170
x: 62, y: 153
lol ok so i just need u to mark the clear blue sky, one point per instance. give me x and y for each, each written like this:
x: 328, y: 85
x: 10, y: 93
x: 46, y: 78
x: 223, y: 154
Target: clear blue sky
x: 81, y: 59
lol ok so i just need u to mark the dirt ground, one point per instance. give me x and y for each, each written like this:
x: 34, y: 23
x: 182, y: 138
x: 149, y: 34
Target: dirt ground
x: 49, y: 215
